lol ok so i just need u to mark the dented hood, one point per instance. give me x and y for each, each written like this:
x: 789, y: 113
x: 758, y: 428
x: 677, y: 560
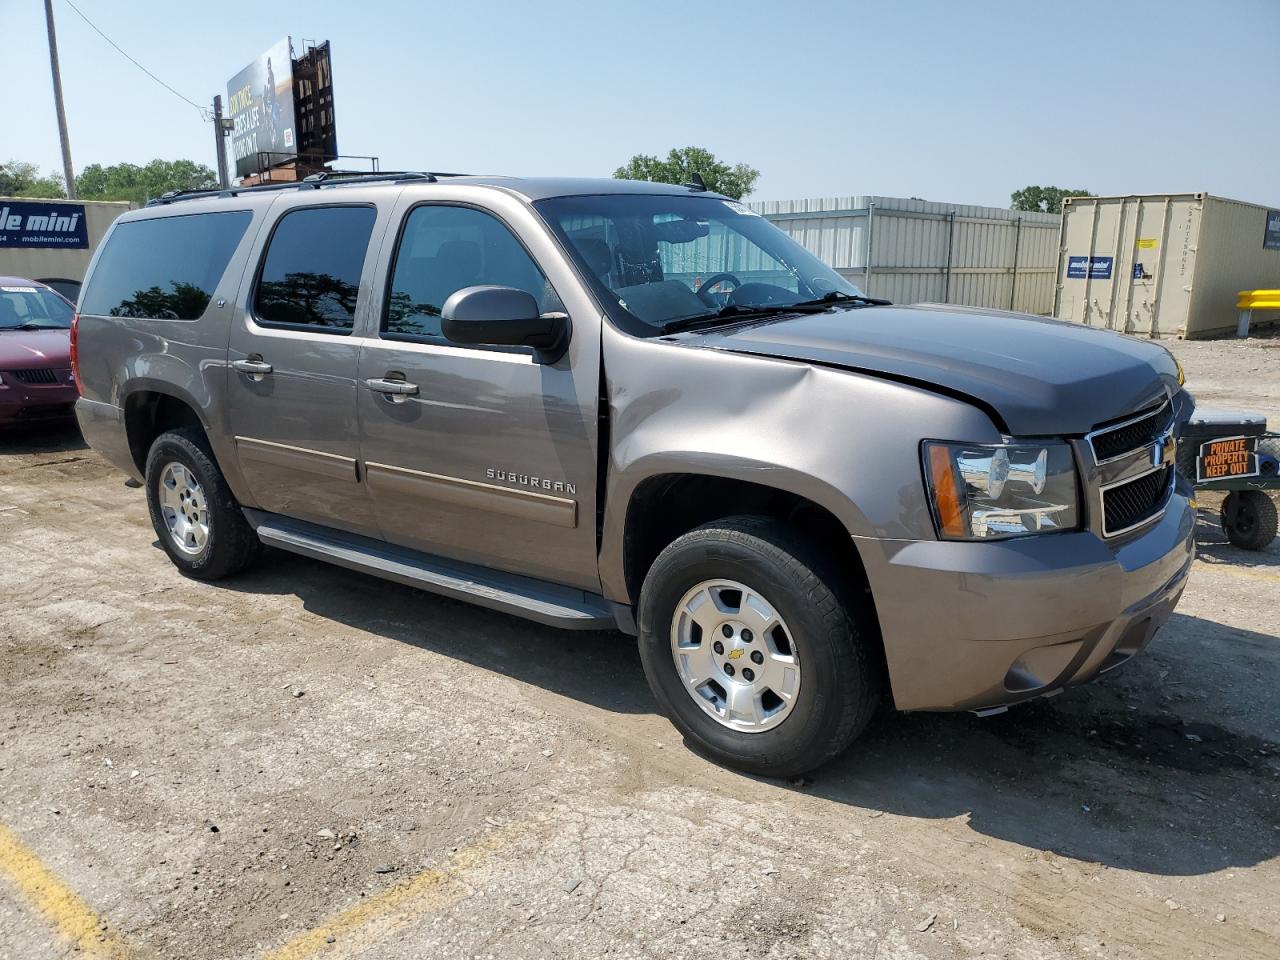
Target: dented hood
x: 1034, y: 376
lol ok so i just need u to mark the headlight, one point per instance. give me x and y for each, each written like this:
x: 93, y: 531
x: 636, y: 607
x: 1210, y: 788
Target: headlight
x: 981, y: 492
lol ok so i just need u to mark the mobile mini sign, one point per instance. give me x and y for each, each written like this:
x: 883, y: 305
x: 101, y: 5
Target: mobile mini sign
x: 1089, y: 268
x: 46, y: 225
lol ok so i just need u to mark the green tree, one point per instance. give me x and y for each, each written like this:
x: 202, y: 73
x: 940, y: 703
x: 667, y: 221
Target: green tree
x: 128, y: 181
x: 680, y: 166
x: 186, y: 302
x: 316, y: 299
x: 21, y: 179
x: 1044, y: 199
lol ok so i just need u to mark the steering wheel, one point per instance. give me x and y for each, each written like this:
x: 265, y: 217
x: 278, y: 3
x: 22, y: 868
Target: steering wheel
x: 710, y: 282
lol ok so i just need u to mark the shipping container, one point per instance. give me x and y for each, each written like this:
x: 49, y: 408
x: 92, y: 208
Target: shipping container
x: 917, y: 251
x: 52, y: 238
x: 1166, y: 265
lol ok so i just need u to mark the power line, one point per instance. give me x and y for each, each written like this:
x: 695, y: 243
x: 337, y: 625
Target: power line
x: 204, y: 112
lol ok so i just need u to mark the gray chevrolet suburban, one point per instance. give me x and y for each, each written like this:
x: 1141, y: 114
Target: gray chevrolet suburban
x: 610, y: 404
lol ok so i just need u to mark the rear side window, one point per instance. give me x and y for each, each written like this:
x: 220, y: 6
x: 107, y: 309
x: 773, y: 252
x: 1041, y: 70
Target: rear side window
x: 444, y: 249
x: 311, y: 272
x: 165, y: 268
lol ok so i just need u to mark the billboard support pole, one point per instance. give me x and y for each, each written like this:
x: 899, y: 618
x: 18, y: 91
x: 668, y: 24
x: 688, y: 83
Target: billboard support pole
x: 220, y: 142
x: 68, y: 171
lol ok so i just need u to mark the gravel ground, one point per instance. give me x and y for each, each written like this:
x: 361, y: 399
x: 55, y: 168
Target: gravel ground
x: 303, y: 755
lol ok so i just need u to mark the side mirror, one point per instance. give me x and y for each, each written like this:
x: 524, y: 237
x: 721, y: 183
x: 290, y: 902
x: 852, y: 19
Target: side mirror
x: 504, y: 316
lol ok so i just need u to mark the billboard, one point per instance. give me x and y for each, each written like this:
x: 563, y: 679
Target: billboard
x: 260, y: 105
x: 313, y: 87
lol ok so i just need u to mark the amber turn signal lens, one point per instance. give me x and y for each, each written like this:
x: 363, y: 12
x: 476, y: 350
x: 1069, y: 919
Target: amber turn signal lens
x: 946, y: 495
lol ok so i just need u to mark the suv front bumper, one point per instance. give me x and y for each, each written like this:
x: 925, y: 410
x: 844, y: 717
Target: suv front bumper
x: 971, y: 626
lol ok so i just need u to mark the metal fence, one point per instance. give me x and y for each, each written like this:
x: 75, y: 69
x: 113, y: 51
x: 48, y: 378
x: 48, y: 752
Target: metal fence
x: 917, y: 251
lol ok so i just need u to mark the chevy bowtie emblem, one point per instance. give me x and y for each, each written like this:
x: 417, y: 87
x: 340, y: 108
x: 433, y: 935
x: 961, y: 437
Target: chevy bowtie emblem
x: 1165, y: 450
x: 735, y: 653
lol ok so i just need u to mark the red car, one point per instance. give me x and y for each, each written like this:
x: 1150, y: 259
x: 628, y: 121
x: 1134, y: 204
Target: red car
x: 36, y: 382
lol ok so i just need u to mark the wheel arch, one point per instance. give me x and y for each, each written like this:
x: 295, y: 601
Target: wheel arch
x: 150, y: 409
x: 665, y: 506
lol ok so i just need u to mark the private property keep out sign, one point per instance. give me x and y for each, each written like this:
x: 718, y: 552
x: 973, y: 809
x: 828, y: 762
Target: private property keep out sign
x: 1227, y: 458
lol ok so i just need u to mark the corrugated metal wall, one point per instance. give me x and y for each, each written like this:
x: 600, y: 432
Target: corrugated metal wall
x: 925, y: 252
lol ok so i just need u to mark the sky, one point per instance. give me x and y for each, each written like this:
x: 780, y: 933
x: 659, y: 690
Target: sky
x: 955, y: 101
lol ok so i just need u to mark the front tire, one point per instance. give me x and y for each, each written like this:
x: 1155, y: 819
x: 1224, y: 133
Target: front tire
x: 196, y: 518
x: 751, y: 651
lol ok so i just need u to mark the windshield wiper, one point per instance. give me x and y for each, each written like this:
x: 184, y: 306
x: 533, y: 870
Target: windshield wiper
x: 839, y: 296
x: 735, y: 312
x: 34, y: 326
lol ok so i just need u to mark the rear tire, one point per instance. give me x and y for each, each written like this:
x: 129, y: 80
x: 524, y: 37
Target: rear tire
x: 743, y: 566
x: 1249, y: 519
x: 196, y: 518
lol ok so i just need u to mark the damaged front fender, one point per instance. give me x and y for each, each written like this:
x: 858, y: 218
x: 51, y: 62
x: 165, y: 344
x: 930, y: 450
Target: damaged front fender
x: 845, y: 441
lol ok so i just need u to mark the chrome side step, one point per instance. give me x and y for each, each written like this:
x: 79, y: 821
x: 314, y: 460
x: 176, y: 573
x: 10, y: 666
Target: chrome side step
x: 990, y: 711
x: 548, y: 603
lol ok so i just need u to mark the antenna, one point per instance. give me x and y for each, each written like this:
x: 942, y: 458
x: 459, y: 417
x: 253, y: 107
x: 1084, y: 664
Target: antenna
x: 696, y: 183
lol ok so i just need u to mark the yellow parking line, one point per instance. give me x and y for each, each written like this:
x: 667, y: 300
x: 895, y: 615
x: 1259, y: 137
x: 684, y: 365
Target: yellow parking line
x: 393, y: 908
x: 1249, y: 573
x: 55, y: 901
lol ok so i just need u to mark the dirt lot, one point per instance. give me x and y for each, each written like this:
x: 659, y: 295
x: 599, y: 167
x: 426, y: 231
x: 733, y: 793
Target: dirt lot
x: 304, y: 762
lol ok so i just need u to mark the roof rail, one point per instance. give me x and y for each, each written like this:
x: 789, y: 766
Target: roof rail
x: 315, y: 181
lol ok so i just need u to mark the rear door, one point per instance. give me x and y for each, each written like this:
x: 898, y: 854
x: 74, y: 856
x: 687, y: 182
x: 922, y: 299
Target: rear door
x: 492, y: 458
x: 294, y: 358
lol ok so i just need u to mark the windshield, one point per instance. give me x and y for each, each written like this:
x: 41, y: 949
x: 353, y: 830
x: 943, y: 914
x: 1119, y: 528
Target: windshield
x: 664, y: 259
x: 32, y: 308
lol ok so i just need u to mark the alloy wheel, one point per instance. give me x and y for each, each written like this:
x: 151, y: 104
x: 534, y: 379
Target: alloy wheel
x: 183, y: 508
x: 735, y: 655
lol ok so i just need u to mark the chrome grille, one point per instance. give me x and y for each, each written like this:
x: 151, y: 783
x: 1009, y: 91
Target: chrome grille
x: 1112, y: 442
x: 39, y: 377
x: 1133, y: 502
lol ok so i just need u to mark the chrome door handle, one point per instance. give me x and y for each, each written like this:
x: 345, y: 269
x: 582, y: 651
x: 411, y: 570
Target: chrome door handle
x: 257, y: 368
x: 395, y: 388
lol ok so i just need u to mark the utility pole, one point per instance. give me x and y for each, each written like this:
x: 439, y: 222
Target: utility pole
x: 67, y: 170
x: 220, y: 135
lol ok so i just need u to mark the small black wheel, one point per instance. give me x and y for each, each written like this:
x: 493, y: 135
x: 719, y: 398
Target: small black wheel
x: 1249, y: 519
x: 752, y: 652
x: 198, y: 522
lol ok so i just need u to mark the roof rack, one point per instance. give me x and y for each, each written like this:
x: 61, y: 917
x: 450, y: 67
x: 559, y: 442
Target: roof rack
x: 327, y: 178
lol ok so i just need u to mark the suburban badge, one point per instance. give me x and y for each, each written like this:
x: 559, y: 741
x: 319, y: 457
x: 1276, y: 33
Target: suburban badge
x: 528, y: 480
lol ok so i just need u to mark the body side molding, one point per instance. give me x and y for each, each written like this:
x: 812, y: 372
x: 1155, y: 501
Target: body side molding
x: 525, y: 504
x: 298, y: 458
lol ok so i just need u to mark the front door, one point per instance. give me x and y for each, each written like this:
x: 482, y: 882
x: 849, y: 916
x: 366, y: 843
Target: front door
x: 292, y: 383
x: 490, y: 456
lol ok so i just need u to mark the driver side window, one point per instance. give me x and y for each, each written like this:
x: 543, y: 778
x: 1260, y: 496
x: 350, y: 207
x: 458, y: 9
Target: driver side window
x: 444, y: 249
